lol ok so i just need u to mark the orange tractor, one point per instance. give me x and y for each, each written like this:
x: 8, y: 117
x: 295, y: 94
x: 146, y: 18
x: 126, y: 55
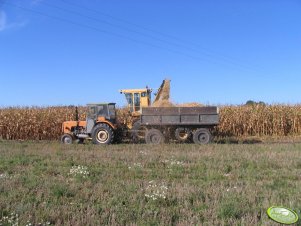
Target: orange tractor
x: 99, y: 126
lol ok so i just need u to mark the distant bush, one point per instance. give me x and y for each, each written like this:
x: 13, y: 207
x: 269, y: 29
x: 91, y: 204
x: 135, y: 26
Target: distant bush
x: 251, y: 102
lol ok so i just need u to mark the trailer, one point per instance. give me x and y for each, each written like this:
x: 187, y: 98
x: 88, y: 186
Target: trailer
x: 159, y: 124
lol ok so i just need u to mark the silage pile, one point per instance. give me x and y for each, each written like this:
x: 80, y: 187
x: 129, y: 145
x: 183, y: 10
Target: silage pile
x: 163, y: 103
x: 192, y: 104
x: 163, y: 96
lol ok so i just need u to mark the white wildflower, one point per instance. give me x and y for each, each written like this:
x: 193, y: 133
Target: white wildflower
x: 40, y: 224
x: 173, y: 162
x: 156, y: 191
x: 12, y: 219
x: 232, y: 188
x: 79, y: 171
x: 4, y: 176
x: 136, y: 165
x: 143, y: 152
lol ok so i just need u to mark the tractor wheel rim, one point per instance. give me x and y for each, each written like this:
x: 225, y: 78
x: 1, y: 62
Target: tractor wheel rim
x: 102, y: 136
x: 67, y: 140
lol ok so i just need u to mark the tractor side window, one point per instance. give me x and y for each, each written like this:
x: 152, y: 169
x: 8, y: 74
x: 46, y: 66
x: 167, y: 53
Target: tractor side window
x: 100, y: 110
x: 129, y: 98
x: 143, y: 94
x: 112, y: 110
x: 91, y: 111
x: 137, y: 101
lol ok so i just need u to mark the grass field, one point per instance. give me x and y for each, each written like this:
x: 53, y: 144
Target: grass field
x: 45, y: 183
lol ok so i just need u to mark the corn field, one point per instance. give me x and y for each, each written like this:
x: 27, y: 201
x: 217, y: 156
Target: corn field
x: 44, y: 123
x: 260, y: 120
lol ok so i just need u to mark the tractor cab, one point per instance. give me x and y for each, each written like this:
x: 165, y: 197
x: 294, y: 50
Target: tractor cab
x: 137, y: 99
x: 141, y: 98
x: 107, y: 111
x: 100, y: 113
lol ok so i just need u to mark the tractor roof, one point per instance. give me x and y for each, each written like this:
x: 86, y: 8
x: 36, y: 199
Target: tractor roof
x: 98, y: 104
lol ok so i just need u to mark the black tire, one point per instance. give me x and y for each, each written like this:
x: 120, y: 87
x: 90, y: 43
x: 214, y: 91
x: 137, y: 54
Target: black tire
x: 202, y: 136
x: 80, y: 141
x: 138, y: 132
x: 67, y: 139
x: 102, y: 134
x: 182, y: 134
x: 154, y: 136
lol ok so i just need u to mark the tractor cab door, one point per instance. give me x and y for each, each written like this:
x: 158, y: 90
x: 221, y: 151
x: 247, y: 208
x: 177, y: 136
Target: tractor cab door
x: 112, y: 112
x: 91, y: 118
x: 129, y: 99
x: 137, y: 102
x: 133, y: 100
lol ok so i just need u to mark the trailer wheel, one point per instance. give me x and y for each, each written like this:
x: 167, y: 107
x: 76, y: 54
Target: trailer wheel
x: 67, y: 139
x: 202, y: 136
x: 154, y: 136
x: 182, y: 134
x: 138, y: 132
x: 102, y: 134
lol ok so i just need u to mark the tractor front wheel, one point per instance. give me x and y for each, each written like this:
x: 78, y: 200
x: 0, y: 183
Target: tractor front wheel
x: 67, y: 139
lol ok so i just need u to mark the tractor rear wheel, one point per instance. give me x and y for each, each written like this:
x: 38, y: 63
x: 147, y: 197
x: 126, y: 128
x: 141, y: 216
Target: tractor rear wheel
x: 202, y: 136
x: 154, y: 136
x: 102, y: 134
x: 67, y: 139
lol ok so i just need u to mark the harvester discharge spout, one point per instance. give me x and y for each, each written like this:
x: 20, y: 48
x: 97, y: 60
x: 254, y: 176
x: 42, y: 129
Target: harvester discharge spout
x: 163, y: 95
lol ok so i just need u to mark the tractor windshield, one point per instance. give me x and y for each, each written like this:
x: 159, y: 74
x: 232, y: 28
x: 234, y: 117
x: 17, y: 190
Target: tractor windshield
x: 112, y: 110
x: 92, y: 112
x: 137, y: 101
x: 129, y: 99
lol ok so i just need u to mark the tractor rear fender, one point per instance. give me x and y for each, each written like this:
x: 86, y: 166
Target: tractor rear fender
x: 103, y: 120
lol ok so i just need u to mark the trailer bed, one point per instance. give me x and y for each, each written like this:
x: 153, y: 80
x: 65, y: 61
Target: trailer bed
x: 180, y: 116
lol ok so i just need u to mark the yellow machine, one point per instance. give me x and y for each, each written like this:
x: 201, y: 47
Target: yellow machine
x: 139, y: 98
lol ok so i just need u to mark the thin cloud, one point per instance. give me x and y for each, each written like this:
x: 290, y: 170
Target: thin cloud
x: 3, y: 21
x: 5, y: 25
x: 36, y: 2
